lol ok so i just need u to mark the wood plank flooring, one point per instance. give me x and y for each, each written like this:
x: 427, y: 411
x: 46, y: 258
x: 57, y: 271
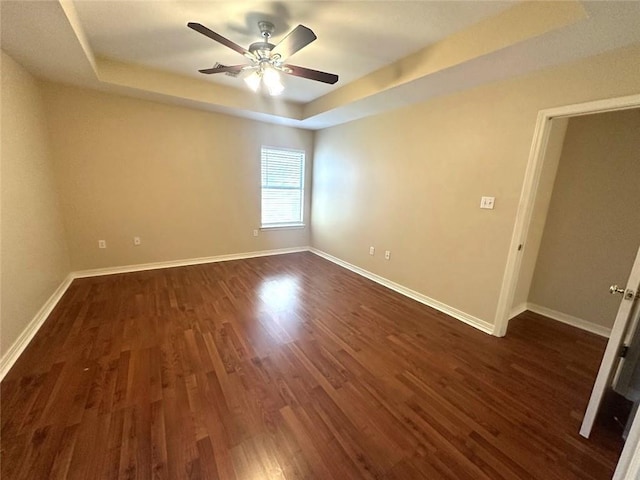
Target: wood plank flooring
x: 292, y: 367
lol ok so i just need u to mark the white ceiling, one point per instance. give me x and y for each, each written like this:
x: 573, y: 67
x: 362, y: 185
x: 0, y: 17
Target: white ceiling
x: 355, y: 38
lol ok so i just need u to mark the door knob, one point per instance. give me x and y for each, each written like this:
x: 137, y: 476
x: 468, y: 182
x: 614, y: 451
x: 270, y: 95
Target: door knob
x: 613, y: 289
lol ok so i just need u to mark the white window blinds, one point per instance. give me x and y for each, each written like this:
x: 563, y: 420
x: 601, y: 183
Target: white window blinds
x: 282, y: 187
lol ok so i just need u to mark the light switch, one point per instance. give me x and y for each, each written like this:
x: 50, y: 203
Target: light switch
x: 487, y: 202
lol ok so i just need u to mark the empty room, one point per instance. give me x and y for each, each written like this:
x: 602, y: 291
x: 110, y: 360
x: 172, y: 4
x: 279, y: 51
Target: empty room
x: 320, y: 240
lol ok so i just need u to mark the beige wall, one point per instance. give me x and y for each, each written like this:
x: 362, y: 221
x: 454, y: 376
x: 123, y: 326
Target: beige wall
x: 540, y: 210
x: 34, y: 259
x: 592, y: 233
x: 410, y: 181
x: 187, y: 182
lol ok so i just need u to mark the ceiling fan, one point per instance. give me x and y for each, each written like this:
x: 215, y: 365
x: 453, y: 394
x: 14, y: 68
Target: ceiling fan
x: 266, y: 60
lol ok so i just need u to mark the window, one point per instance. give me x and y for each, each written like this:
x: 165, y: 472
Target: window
x: 282, y: 187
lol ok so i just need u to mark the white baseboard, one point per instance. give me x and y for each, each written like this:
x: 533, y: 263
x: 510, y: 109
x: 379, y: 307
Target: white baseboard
x: 10, y: 357
x: 569, y: 320
x: 7, y: 361
x: 183, y: 263
x: 482, y: 325
x: 515, y: 311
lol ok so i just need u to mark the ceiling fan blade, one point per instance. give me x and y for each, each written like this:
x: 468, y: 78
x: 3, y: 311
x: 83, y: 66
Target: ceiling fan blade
x: 224, y: 68
x: 297, y: 39
x: 316, y: 75
x: 219, y: 38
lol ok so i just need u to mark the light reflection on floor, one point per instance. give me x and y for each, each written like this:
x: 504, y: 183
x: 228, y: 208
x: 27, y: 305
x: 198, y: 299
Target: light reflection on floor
x: 280, y: 298
x: 280, y: 293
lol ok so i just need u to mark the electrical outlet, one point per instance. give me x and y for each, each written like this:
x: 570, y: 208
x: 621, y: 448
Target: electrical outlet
x: 102, y: 244
x: 255, y: 232
x: 137, y: 241
x: 387, y: 254
x: 372, y: 250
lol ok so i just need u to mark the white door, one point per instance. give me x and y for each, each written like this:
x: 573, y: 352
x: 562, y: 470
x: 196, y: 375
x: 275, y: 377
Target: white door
x: 611, y: 357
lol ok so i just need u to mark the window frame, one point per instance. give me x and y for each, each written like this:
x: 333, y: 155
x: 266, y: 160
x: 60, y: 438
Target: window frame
x: 301, y: 189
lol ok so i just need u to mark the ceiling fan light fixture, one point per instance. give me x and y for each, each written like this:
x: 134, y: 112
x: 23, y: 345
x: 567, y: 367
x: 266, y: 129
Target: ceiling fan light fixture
x: 253, y: 81
x: 271, y: 79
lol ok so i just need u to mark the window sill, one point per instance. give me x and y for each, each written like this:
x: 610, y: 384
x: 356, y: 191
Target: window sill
x: 288, y: 226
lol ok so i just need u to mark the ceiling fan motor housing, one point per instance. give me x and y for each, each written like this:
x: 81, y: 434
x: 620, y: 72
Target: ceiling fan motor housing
x: 261, y: 50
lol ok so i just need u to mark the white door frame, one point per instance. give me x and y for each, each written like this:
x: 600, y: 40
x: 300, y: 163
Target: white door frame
x: 530, y: 189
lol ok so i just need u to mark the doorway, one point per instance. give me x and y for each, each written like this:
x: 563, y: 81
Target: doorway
x: 585, y: 228
x: 530, y: 189
x: 552, y: 125
x: 585, y: 206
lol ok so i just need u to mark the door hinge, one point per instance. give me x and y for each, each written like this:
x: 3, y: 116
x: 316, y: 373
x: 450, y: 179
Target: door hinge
x: 624, y: 350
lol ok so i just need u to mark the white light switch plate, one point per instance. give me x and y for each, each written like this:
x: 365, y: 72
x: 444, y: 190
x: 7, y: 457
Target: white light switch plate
x: 487, y: 202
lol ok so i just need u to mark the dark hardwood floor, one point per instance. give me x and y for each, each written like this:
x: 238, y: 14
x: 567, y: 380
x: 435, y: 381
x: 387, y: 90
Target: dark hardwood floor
x: 292, y: 367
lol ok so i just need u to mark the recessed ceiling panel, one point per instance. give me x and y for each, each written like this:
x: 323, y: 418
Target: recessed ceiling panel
x: 354, y: 37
